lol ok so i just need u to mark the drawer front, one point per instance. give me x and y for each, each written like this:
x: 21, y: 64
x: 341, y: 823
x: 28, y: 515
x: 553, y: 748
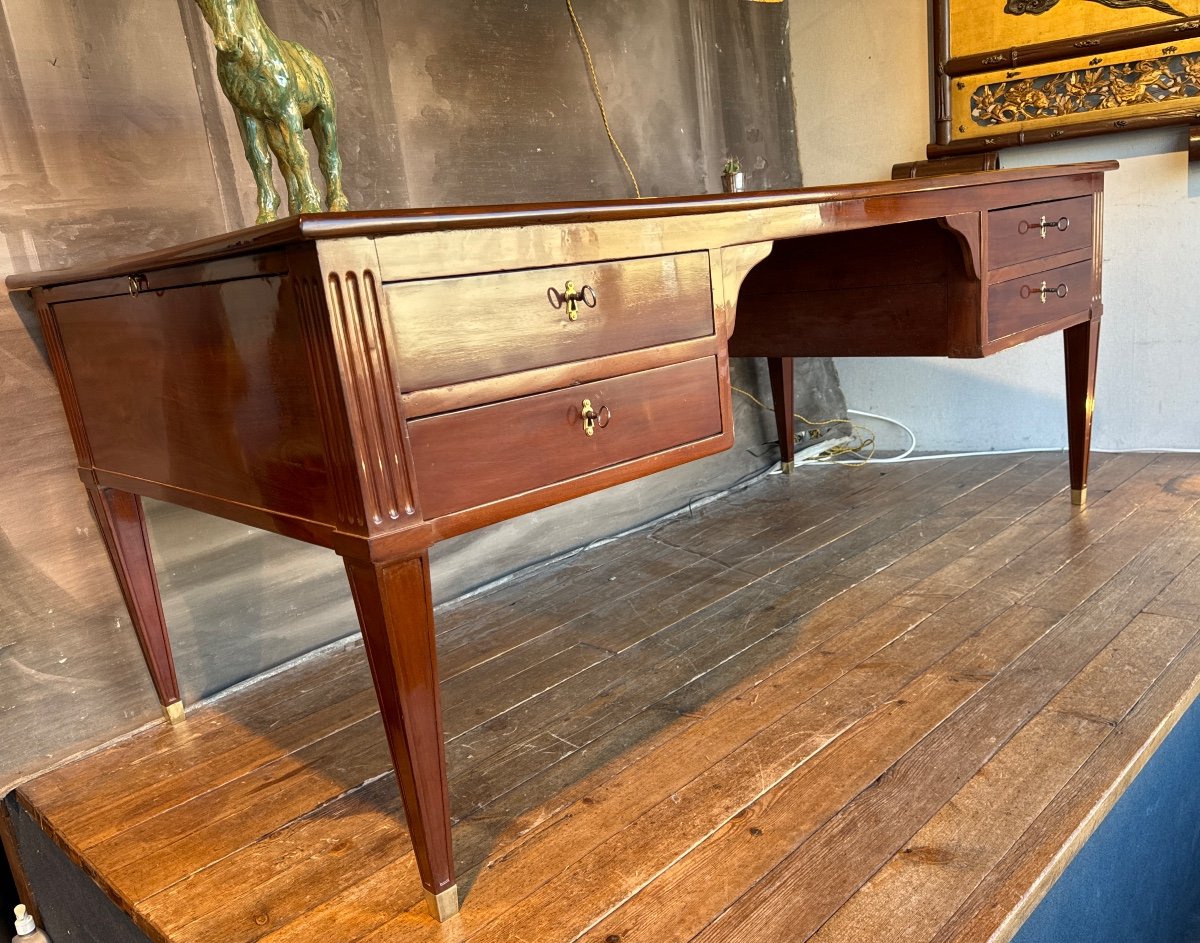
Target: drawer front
x: 476, y: 456
x: 1027, y: 302
x: 453, y: 330
x: 1017, y: 235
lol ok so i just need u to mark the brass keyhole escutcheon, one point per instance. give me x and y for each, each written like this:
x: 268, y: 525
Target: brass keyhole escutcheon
x: 1044, y: 292
x: 572, y: 305
x: 1062, y: 224
x: 593, y: 418
x: 571, y: 298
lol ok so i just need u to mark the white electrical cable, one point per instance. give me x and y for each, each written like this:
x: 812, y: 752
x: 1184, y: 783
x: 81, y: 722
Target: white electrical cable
x: 912, y: 436
x: 907, y: 454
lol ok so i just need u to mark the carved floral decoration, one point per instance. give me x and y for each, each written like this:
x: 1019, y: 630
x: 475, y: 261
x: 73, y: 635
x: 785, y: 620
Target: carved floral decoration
x: 1122, y: 85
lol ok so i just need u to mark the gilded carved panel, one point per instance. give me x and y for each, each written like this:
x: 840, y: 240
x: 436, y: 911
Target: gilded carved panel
x: 1022, y: 71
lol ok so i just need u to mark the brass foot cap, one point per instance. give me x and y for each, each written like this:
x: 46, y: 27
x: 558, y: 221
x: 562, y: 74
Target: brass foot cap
x: 1079, y: 496
x: 787, y: 467
x: 173, y: 712
x: 443, y: 906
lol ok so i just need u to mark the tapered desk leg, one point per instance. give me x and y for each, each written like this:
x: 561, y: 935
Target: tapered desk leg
x: 783, y: 398
x: 123, y: 524
x: 395, y: 612
x: 1081, y: 345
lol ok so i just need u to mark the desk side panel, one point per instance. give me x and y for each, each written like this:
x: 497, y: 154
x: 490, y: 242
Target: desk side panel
x: 205, y: 389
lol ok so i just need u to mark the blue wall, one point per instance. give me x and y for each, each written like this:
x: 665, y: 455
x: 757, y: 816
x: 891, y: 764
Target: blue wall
x: 1137, y: 880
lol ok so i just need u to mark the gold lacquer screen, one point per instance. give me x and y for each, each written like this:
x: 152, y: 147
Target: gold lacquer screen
x: 986, y: 25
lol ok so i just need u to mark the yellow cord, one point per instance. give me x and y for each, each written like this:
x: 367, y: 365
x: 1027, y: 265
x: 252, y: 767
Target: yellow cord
x: 865, y: 443
x: 587, y: 54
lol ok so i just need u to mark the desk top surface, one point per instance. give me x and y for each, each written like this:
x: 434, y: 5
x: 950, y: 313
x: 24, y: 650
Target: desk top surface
x: 369, y: 223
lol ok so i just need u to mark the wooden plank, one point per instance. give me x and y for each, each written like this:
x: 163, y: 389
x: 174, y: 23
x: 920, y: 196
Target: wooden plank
x: 674, y: 922
x: 1027, y: 524
x: 938, y: 502
x: 218, y: 822
x: 1108, y: 472
x: 1152, y: 508
x: 808, y: 571
x: 781, y: 690
x: 270, y: 883
x: 919, y: 890
x: 219, y: 753
x: 502, y: 619
x: 717, y: 870
x: 1001, y: 902
x: 878, y: 823
x: 649, y: 751
x: 760, y: 552
x: 554, y: 744
x: 607, y: 803
x: 124, y: 768
x: 665, y: 843
x: 1181, y: 599
x: 1068, y: 533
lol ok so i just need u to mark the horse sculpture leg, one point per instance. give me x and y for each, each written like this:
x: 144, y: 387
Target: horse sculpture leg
x: 260, y: 164
x: 278, y: 139
x: 324, y: 129
x: 291, y: 129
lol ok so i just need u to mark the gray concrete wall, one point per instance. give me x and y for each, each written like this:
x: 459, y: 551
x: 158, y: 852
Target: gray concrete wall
x: 117, y: 140
x: 1147, y: 391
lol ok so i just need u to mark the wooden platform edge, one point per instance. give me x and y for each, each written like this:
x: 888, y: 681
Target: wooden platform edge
x: 8, y: 839
x: 1012, y: 923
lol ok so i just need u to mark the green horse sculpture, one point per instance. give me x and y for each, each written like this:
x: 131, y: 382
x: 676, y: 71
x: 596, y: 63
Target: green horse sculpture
x: 277, y: 89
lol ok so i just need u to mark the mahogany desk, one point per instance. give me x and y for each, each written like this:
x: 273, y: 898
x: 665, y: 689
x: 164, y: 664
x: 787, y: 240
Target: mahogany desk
x: 376, y: 382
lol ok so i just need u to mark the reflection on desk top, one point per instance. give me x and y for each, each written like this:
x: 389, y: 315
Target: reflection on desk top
x: 375, y: 223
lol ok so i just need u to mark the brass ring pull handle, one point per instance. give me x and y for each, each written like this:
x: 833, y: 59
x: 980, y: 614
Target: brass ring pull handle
x: 1028, y: 291
x: 1061, y: 225
x: 594, y: 419
x: 137, y: 284
x: 571, y: 298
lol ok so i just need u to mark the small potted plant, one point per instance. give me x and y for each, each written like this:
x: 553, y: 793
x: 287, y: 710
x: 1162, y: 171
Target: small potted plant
x: 732, y: 178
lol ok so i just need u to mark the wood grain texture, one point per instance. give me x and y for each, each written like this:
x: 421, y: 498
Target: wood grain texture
x: 396, y: 614
x: 123, y: 524
x: 201, y: 388
x: 88, y: 175
x: 949, y: 194
x: 460, y: 329
x: 782, y: 373
x: 271, y: 404
x: 1080, y: 344
x: 360, y: 326
x: 17, y: 877
x: 890, y: 714
x: 470, y: 458
x: 1016, y: 235
x: 818, y: 288
x: 1042, y: 298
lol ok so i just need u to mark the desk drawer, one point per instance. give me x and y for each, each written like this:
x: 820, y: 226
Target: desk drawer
x: 1017, y: 235
x: 458, y: 329
x: 476, y: 456
x: 1022, y: 303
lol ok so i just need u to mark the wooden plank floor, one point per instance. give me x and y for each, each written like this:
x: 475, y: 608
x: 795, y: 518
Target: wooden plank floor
x: 853, y: 705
